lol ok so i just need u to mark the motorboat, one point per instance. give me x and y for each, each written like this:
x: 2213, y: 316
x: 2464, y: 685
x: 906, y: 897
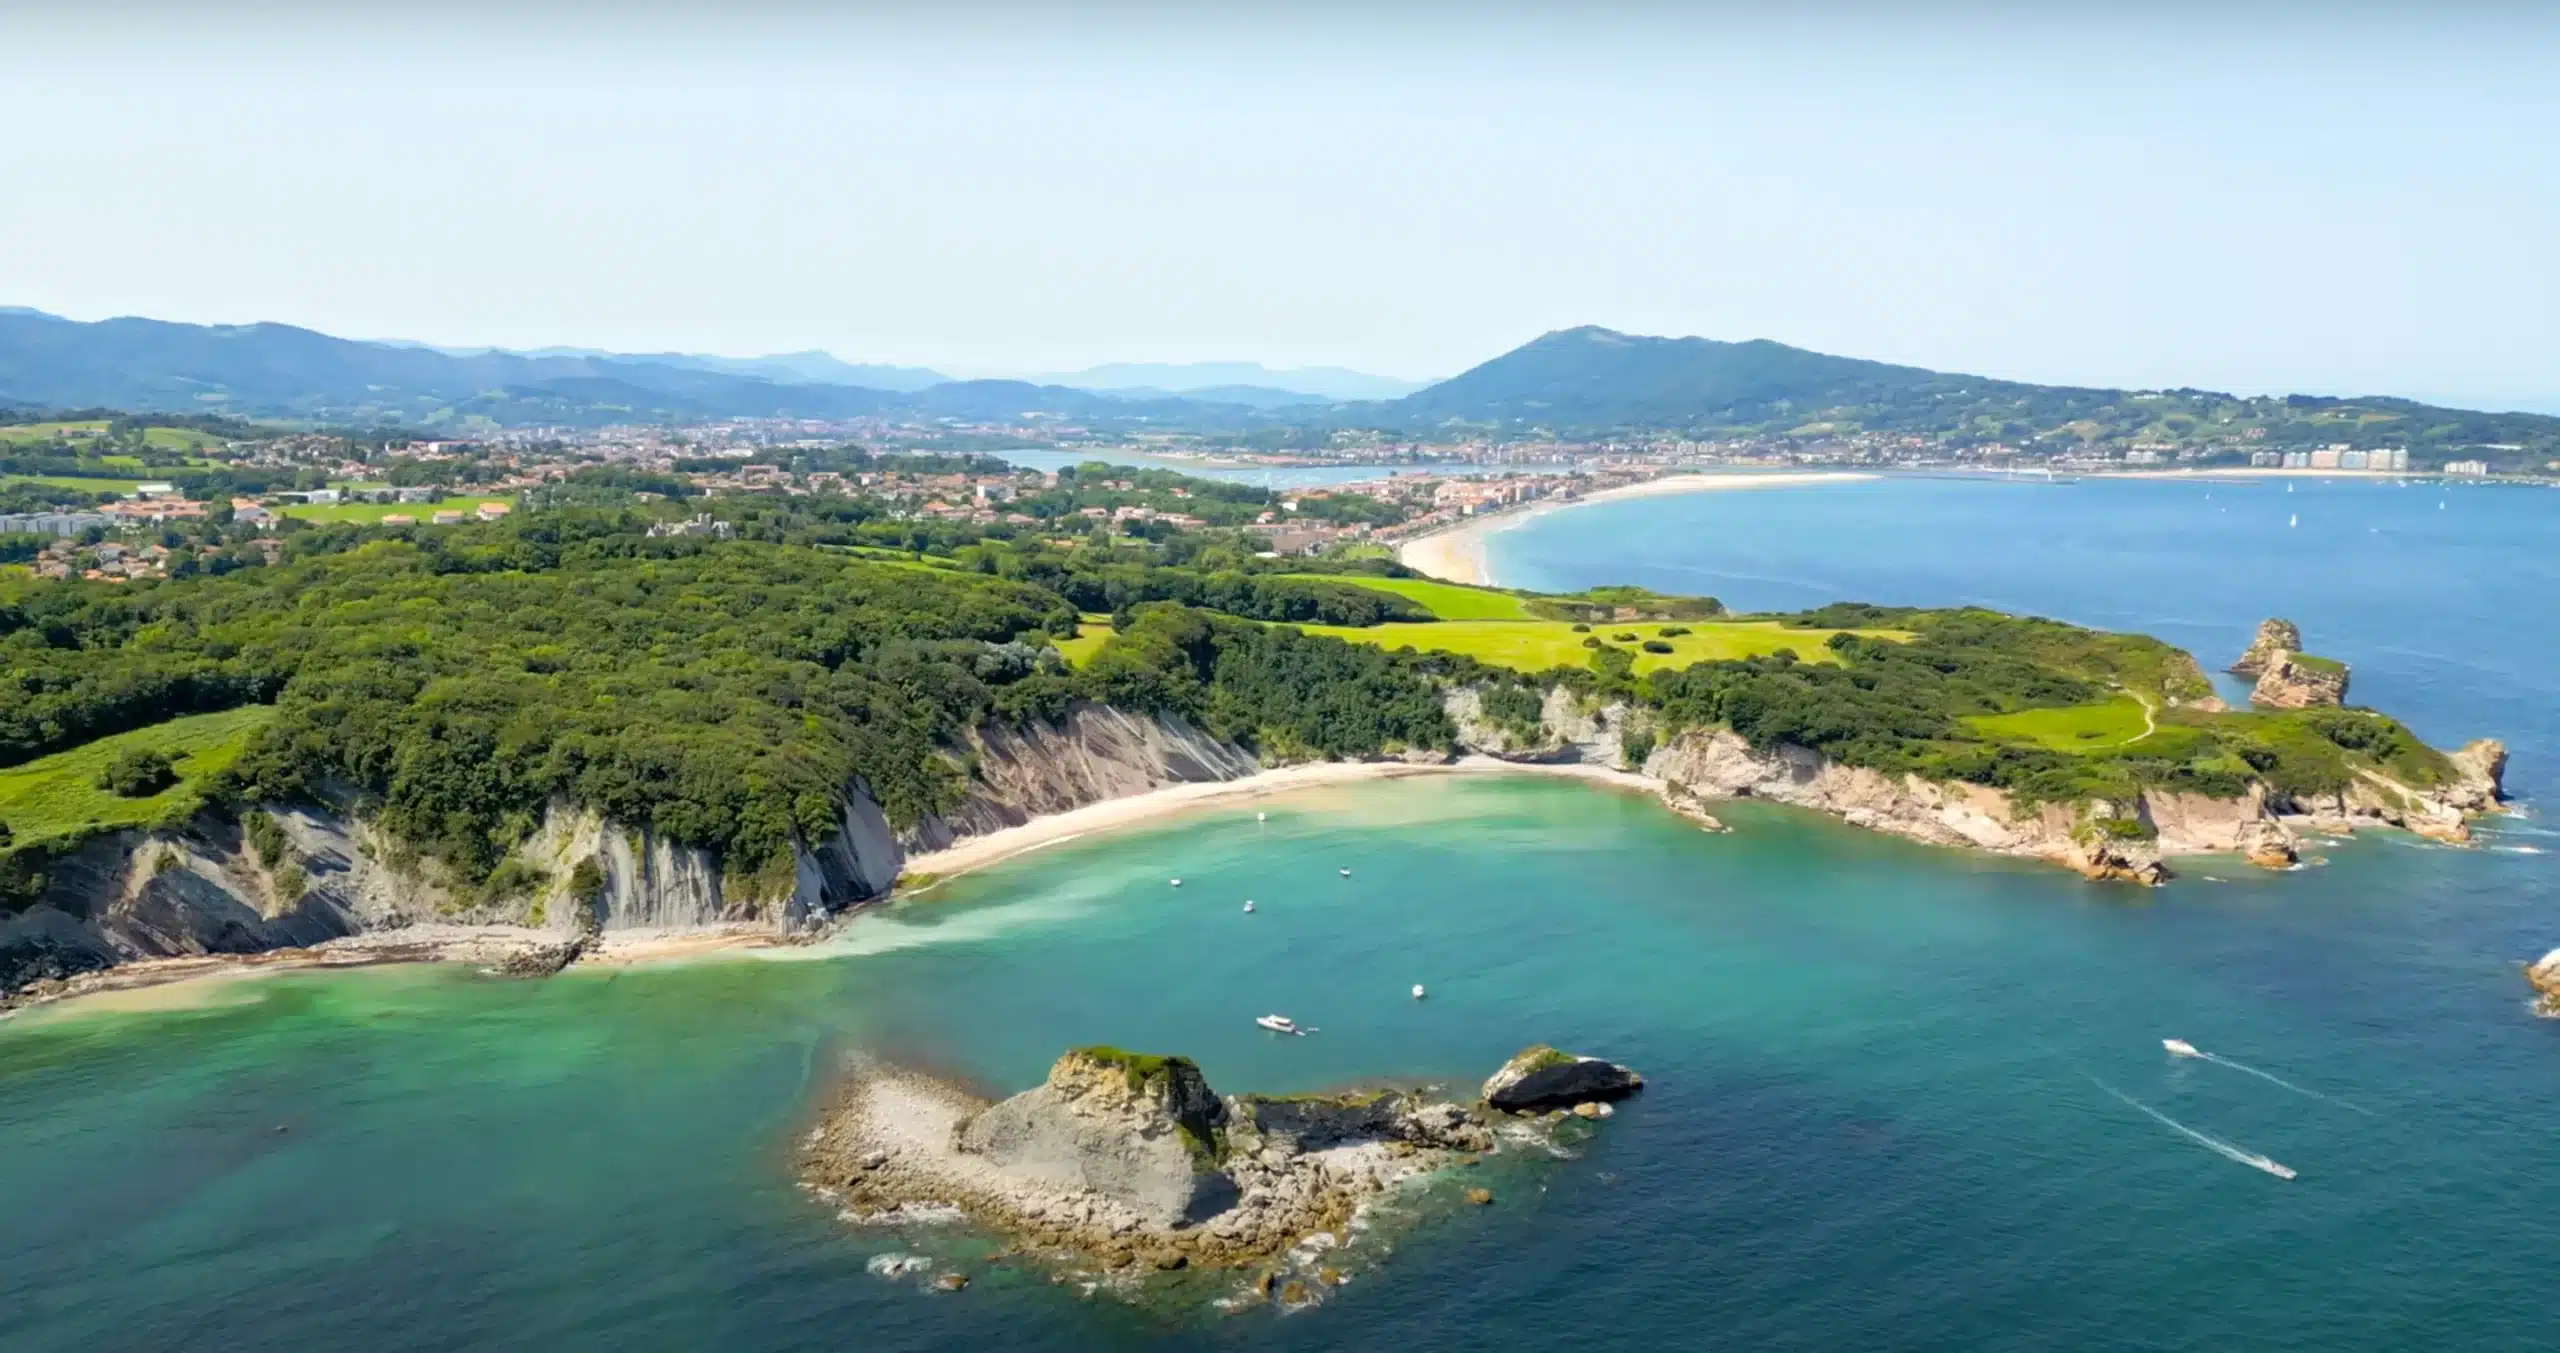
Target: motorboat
x: 1282, y: 1024
x: 1346, y: 873
x: 1248, y: 904
x: 2179, y: 1047
x: 1418, y: 992
x: 1175, y: 882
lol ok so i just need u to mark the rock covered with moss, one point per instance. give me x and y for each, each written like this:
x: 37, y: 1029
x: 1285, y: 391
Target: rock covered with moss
x: 1540, y: 1077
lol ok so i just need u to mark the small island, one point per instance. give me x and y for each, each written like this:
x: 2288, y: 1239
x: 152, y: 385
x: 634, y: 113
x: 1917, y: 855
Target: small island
x: 1129, y: 1163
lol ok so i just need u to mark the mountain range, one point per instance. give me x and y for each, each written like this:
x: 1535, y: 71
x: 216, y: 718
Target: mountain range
x: 1583, y: 381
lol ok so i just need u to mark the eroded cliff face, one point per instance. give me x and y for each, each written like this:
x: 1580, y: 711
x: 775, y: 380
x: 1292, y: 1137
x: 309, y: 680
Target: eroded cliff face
x: 1571, y: 729
x: 2291, y: 681
x: 1095, y: 753
x: 205, y: 890
x: 1720, y: 763
x: 2101, y: 838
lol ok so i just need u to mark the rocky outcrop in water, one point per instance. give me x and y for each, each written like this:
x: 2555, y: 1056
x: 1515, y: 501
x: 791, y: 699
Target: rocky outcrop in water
x: 2274, y: 637
x: 1540, y: 1077
x: 2545, y: 977
x: 1144, y: 1133
x: 1122, y: 1160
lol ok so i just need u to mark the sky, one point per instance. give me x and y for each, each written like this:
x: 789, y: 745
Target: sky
x: 2329, y: 199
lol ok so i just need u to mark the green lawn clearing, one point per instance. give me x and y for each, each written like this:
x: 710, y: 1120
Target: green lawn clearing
x: 1449, y: 601
x: 374, y: 512
x: 1091, y: 632
x: 1536, y: 645
x: 58, y: 795
x: 170, y: 439
x: 65, y: 481
x: 2102, y: 726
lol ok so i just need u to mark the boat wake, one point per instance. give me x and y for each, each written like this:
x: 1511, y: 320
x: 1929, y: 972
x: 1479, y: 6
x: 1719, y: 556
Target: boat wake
x: 2184, y: 1049
x: 2204, y: 1139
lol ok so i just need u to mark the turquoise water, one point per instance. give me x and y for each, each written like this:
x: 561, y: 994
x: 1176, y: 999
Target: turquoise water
x: 1879, y: 1114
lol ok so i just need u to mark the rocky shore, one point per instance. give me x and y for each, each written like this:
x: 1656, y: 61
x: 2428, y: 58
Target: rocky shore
x: 2544, y: 974
x: 138, y: 907
x: 1126, y: 1163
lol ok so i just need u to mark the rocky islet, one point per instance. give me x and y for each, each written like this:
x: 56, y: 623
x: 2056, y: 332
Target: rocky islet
x: 1131, y: 1163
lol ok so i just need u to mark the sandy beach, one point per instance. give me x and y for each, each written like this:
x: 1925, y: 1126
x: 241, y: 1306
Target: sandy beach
x: 1457, y: 553
x: 208, y: 979
x: 978, y: 852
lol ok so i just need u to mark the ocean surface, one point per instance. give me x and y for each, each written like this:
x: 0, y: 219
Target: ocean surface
x: 1900, y: 1098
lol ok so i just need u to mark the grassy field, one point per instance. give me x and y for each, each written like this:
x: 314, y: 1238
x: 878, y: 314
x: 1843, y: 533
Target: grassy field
x: 64, y: 481
x: 1449, y: 601
x: 1536, y: 645
x: 373, y: 512
x: 2103, y: 726
x: 173, y: 439
x: 58, y: 795
x: 873, y: 554
x: 1090, y: 634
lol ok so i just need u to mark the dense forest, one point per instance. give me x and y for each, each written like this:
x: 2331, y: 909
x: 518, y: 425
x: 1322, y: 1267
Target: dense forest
x: 726, y: 693
x: 721, y: 692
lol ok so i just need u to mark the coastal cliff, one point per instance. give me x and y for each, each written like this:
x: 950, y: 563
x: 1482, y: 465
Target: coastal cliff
x: 326, y: 876
x: 2128, y: 839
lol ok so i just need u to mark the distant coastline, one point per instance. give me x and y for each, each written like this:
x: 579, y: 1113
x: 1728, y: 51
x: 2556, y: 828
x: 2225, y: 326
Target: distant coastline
x: 1456, y: 553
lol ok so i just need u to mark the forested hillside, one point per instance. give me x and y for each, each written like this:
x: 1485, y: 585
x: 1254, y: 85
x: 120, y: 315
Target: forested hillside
x: 1593, y: 380
x: 730, y: 694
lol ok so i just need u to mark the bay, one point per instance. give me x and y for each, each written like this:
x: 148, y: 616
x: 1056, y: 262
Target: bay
x: 1883, y: 1109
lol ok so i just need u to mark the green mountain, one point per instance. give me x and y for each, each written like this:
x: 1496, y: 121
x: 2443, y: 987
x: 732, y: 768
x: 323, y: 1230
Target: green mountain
x: 1593, y: 380
x: 1595, y: 376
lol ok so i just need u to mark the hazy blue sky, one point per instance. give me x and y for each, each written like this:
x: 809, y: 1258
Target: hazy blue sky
x: 2294, y: 200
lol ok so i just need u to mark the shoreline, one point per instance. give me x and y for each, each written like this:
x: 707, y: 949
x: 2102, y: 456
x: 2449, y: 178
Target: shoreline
x: 1456, y: 552
x: 495, y: 947
x: 181, y: 981
x: 1132, y: 810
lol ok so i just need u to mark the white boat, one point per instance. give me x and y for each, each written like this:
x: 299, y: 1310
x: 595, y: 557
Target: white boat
x: 1346, y: 873
x: 2179, y: 1047
x: 1248, y: 904
x: 1262, y: 817
x: 1280, y: 1024
x: 1176, y: 882
x: 1417, y: 991
x: 2294, y: 520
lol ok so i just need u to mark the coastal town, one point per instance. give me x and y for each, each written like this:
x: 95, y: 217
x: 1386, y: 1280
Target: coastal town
x: 86, y: 513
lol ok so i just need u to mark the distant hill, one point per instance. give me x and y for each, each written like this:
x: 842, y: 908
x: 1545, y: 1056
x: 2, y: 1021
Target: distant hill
x: 1591, y: 380
x: 279, y: 371
x: 1598, y: 376
x: 812, y: 367
x: 1201, y: 379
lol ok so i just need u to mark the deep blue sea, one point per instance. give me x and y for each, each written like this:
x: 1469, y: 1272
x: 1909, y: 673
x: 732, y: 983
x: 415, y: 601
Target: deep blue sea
x: 1901, y: 1098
